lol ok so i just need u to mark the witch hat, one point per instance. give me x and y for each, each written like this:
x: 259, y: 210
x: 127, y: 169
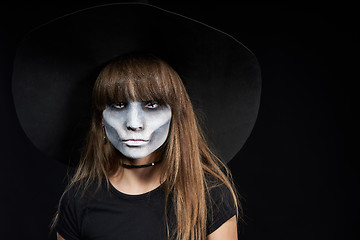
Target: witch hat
x: 57, y: 63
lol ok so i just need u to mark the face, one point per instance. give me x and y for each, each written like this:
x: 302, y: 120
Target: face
x: 135, y: 128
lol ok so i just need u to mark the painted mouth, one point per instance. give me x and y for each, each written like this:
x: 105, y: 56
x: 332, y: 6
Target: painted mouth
x: 135, y: 142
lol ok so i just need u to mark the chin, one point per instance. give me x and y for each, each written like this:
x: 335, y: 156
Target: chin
x: 135, y: 155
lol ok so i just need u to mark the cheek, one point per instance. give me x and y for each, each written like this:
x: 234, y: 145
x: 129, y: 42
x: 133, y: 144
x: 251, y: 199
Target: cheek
x: 112, y: 133
x: 113, y: 120
x: 159, y: 122
x: 160, y: 133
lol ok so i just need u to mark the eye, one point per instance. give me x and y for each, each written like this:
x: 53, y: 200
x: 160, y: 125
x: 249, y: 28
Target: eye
x: 120, y: 105
x: 152, y: 104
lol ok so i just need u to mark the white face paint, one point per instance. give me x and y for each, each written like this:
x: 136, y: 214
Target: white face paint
x: 135, y: 128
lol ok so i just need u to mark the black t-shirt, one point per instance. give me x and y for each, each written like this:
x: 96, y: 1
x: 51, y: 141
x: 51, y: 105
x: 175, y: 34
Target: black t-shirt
x: 114, y: 215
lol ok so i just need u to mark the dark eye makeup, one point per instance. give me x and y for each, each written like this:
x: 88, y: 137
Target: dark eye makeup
x: 152, y: 104
x: 147, y: 104
x: 120, y: 105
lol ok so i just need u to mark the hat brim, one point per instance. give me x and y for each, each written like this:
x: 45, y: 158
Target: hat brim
x: 57, y: 63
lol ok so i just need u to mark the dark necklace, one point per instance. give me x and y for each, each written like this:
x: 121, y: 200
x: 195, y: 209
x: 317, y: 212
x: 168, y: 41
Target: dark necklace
x: 140, y: 166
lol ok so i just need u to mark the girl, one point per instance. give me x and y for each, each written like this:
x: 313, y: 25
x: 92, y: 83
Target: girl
x: 146, y: 171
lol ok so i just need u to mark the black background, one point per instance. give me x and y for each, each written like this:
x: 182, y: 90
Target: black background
x: 292, y: 172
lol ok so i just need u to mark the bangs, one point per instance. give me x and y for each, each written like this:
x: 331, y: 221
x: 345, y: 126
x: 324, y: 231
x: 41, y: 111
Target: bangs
x: 133, y: 79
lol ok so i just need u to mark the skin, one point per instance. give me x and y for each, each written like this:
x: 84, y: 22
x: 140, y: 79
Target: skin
x: 135, y: 128
x: 227, y: 231
x: 148, y: 121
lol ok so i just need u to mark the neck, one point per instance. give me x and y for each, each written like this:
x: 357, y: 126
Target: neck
x: 137, y: 180
x: 132, y: 165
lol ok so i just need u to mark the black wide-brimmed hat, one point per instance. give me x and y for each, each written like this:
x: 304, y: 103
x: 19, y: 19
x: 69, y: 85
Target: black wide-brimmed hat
x: 57, y: 64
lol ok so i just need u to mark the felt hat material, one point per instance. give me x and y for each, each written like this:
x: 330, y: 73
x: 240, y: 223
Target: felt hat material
x: 57, y: 64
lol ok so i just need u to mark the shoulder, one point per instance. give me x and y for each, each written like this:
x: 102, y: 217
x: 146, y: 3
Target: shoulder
x: 70, y: 200
x: 71, y: 210
x: 221, y: 205
x: 220, y: 196
x: 76, y: 197
x: 80, y: 192
x: 218, y: 190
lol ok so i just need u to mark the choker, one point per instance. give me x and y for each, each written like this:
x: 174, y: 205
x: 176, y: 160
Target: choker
x: 140, y: 166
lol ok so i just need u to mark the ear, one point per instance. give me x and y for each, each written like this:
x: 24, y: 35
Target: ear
x: 102, y: 121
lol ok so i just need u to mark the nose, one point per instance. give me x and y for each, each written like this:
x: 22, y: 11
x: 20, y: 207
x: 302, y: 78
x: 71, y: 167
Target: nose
x: 134, y: 120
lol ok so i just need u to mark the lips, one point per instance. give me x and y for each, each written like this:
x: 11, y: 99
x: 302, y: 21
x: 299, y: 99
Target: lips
x: 135, y: 142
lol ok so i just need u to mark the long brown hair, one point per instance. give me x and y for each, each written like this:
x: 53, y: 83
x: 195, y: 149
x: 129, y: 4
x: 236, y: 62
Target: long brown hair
x: 187, y: 159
